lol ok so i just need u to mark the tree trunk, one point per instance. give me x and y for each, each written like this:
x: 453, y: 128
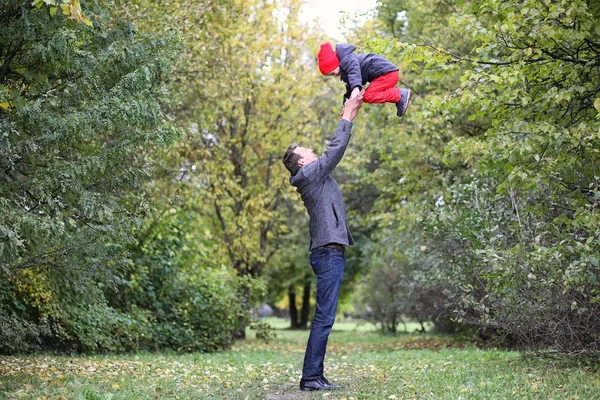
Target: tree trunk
x: 305, y: 306
x: 293, y: 308
x: 245, y: 297
x: 392, y: 323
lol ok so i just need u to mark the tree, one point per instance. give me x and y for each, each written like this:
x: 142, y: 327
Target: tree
x: 265, y: 107
x: 78, y: 100
x: 537, y: 68
x: 514, y: 217
x: 289, y: 273
x: 246, y: 93
x: 401, y: 161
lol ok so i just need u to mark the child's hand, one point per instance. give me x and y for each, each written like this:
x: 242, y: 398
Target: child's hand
x: 355, y: 93
x: 351, y: 107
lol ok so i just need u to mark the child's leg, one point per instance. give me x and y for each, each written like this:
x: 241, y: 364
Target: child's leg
x: 382, y: 90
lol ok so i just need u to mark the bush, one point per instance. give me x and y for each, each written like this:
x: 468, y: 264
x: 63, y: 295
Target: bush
x: 404, y: 284
x: 198, y: 312
x: 539, y: 287
x: 191, y: 302
x: 198, y: 316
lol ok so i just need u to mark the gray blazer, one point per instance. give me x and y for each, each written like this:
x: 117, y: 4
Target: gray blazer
x: 321, y: 194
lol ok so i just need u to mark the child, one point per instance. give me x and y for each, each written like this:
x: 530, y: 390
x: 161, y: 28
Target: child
x: 357, y: 69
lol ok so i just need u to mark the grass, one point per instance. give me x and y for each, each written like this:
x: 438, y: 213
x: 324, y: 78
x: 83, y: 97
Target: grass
x: 368, y: 366
x: 348, y: 325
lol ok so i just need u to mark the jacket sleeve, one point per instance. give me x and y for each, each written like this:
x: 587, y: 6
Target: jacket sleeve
x: 346, y: 95
x: 324, y: 165
x: 350, y: 64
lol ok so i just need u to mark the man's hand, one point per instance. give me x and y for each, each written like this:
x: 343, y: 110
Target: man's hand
x: 352, y: 106
x: 355, y: 93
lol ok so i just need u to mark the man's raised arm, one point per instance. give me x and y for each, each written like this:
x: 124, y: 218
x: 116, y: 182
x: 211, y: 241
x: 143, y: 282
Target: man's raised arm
x: 325, y: 164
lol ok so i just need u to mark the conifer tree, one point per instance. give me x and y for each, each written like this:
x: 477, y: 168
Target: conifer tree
x: 80, y: 99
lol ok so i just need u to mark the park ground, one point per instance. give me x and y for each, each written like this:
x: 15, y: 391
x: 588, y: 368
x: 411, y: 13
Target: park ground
x: 367, y: 364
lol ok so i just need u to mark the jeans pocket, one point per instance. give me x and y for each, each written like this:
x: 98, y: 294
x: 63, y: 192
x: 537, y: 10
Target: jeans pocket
x: 320, y: 261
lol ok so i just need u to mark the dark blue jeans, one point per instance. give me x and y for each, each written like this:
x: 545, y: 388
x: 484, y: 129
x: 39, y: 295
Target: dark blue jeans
x: 328, y: 264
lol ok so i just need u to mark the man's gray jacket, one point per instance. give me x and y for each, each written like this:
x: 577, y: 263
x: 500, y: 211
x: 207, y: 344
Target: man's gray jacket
x: 321, y: 194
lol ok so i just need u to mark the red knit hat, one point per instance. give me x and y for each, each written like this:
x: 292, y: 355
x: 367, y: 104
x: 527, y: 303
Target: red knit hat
x: 328, y: 60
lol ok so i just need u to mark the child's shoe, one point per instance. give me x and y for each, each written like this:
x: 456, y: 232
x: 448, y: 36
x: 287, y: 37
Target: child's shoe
x: 402, y: 105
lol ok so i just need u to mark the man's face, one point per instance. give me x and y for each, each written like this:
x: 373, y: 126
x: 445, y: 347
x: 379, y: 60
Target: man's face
x: 306, y: 156
x: 335, y: 72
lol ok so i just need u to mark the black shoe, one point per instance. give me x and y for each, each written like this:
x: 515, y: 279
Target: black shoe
x: 334, y: 387
x: 319, y: 384
x: 402, y: 105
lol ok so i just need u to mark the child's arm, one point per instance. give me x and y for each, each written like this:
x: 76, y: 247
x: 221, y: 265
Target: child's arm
x: 350, y: 64
x: 350, y: 95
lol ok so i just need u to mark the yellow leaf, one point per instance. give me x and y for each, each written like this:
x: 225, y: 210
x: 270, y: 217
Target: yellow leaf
x: 87, y: 21
x: 4, y: 105
x: 115, y: 386
x: 76, y: 13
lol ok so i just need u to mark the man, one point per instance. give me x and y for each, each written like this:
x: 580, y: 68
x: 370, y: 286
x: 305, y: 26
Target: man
x: 329, y: 235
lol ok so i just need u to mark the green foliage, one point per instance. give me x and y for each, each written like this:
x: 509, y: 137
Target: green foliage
x: 387, y: 295
x: 265, y: 110
x: 482, y: 200
x: 245, y: 98
x: 78, y: 103
x: 18, y: 334
x: 535, y: 80
x: 189, y: 301
x: 401, y: 285
x: 85, y: 105
x: 246, y: 91
x: 509, y: 208
x: 263, y: 331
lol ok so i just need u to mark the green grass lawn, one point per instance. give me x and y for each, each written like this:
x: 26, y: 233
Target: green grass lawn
x: 348, y: 325
x: 368, y: 366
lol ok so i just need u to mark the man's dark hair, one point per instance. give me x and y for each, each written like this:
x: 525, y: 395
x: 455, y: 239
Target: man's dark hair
x: 290, y: 159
